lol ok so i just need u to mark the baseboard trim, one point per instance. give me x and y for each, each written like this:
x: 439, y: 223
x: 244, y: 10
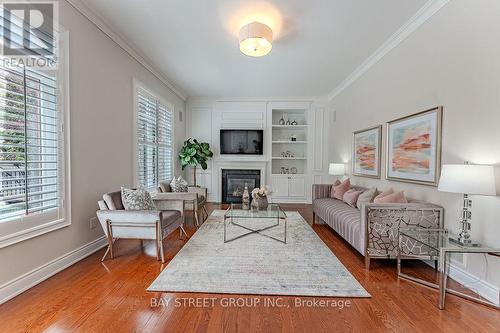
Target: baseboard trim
x: 30, y: 279
x: 483, y: 288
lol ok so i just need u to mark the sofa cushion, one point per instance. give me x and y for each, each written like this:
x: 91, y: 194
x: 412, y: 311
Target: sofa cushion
x: 366, y: 197
x: 137, y: 199
x: 344, y: 219
x: 398, y: 197
x: 340, y: 190
x: 351, y: 197
x: 337, y: 182
x: 384, y: 194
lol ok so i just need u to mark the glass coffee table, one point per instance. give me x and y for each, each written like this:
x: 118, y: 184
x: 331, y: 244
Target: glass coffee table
x: 437, y: 244
x: 270, y: 222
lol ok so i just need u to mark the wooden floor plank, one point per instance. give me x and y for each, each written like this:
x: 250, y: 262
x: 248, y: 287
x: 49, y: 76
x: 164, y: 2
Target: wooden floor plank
x: 91, y: 296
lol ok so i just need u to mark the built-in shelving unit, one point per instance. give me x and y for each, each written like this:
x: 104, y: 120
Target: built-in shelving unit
x: 288, y: 154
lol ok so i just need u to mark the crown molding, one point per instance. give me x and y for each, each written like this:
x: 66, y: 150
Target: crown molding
x: 426, y: 12
x: 124, y: 45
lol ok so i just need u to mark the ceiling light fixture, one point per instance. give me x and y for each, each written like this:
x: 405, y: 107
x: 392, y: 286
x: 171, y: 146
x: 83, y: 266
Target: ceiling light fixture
x: 256, y: 39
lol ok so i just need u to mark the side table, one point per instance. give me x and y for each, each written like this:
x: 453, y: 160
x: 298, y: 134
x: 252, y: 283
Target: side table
x: 437, y: 244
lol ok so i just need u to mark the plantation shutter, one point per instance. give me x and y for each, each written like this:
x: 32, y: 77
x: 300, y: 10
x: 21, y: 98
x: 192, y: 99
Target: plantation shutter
x: 154, y: 145
x: 30, y: 145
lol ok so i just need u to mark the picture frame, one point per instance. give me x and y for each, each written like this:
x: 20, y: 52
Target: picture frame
x: 414, y: 147
x: 367, y: 152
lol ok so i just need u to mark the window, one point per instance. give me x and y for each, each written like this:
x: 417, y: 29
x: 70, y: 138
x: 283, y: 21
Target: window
x: 154, y: 133
x: 33, y: 164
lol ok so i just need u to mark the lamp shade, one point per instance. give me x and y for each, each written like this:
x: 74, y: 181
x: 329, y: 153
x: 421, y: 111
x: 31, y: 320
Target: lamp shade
x: 256, y: 39
x: 336, y: 169
x: 467, y: 179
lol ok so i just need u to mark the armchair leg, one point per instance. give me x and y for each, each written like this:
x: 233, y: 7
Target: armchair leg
x: 182, y: 231
x: 206, y: 213
x: 110, y: 241
x: 367, y: 262
x: 196, y: 218
x: 314, y: 217
x: 159, y: 241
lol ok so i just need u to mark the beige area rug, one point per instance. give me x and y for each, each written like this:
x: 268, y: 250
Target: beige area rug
x: 256, y: 264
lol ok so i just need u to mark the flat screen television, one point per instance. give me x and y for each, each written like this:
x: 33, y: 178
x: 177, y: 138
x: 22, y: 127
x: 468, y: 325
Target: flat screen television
x: 241, y: 142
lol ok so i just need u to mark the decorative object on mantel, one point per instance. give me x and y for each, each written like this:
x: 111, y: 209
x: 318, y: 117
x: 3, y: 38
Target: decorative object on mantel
x: 467, y: 179
x: 288, y: 122
x: 293, y: 170
x: 414, y: 147
x: 245, y: 198
x: 336, y: 169
x: 195, y: 153
x: 259, y: 198
x: 294, y: 122
x: 282, y: 120
x: 367, y: 152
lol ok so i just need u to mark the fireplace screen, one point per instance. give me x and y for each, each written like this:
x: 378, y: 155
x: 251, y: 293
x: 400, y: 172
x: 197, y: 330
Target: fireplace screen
x: 234, y: 181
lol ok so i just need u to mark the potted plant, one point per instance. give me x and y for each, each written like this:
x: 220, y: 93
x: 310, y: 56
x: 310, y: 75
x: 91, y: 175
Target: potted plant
x: 195, y: 153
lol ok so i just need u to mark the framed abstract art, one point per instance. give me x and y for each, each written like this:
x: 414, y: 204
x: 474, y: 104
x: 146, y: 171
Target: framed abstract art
x: 414, y: 147
x: 367, y: 152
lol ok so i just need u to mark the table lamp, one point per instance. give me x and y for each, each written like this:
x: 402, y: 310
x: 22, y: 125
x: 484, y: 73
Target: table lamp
x: 467, y: 179
x: 336, y: 169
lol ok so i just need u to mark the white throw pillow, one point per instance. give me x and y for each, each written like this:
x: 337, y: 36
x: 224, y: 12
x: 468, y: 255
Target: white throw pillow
x: 179, y: 185
x: 137, y: 199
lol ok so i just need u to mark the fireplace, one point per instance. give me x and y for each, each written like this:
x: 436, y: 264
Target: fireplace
x: 234, y: 181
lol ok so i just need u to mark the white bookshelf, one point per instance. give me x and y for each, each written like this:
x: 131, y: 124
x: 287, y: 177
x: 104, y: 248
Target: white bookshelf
x: 282, y: 140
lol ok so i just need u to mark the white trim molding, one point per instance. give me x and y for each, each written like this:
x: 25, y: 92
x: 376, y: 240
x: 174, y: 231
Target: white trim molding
x: 28, y: 280
x: 97, y: 20
x: 483, y: 288
x: 425, y: 13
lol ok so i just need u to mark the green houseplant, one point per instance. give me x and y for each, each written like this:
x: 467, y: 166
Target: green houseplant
x: 195, y: 153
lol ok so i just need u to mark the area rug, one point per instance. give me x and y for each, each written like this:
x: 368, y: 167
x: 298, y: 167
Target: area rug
x: 258, y: 265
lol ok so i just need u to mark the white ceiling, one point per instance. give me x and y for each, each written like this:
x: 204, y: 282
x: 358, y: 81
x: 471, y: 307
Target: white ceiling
x: 194, y: 43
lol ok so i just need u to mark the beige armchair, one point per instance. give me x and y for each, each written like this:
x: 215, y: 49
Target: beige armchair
x: 195, y: 199
x: 139, y: 224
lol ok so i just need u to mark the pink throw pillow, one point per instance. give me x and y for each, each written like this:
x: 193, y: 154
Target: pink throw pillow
x: 339, y: 190
x: 337, y: 182
x: 398, y: 197
x: 351, y: 197
x: 384, y: 194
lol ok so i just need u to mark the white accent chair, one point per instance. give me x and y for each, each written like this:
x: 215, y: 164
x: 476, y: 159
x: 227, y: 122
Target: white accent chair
x: 139, y: 224
x: 195, y: 199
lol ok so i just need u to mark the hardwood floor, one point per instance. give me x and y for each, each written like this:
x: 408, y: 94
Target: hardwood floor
x: 91, y: 296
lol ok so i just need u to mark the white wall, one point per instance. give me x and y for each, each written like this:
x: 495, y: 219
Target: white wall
x: 101, y: 76
x: 452, y: 60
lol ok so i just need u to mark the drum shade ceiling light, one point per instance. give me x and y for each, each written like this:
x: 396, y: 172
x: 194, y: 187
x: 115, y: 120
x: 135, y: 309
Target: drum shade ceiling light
x: 256, y: 39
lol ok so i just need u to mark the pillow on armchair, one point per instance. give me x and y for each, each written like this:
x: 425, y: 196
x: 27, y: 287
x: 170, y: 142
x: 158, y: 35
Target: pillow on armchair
x: 137, y: 199
x: 179, y: 185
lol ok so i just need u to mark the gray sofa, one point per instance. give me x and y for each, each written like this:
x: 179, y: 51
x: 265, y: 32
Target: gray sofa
x: 373, y: 229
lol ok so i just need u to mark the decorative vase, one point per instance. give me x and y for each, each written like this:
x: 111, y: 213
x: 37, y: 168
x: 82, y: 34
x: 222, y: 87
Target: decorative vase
x: 282, y: 120
x: 246, y: 198
x: 260, y: 203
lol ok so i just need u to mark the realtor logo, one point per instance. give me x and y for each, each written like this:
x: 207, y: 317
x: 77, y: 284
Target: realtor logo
x: 29, y: 31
